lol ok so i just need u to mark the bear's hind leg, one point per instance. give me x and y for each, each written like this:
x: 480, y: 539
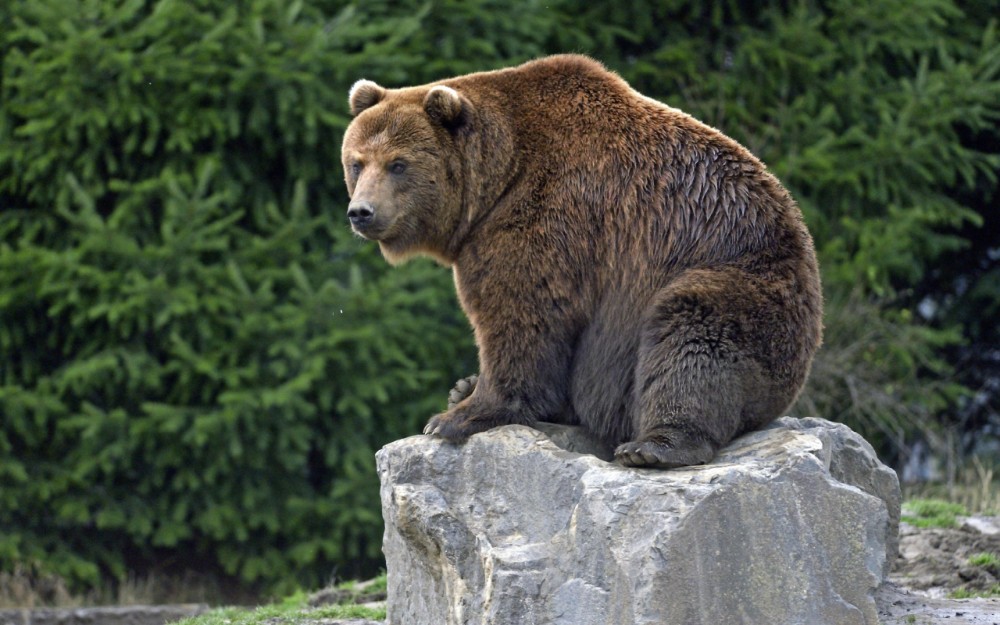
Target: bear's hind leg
x: 685, y: 413
x: 692, y: 374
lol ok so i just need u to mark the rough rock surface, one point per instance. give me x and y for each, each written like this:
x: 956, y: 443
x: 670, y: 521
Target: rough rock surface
x: 794, y: 524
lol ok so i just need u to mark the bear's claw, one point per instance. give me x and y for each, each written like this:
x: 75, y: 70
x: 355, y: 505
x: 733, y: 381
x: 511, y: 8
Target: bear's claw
x: 450, y: 429
x: 433, y: 427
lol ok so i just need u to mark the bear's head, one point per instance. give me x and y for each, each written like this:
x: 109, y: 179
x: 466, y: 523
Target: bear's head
x: 403, y: 162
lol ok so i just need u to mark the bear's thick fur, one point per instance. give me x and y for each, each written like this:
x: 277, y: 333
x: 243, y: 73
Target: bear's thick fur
x: 623, y: 265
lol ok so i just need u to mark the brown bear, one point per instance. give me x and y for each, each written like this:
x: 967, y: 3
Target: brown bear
x: 623, y: 266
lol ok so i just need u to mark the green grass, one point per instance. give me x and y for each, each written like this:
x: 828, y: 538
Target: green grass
x: 972, y: 486
x: 348, y: 611
x: 964, y: 593
x: 985, y: 560
x: 286, y: 614
x: 931, y: 512
x: 379, y: 584
x: 295, y: 609
x: 283, y: 612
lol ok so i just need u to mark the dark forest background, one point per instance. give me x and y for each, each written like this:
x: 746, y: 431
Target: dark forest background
x: 198, y: 360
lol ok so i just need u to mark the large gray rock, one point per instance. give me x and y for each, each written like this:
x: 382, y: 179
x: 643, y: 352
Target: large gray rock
x: 794, y: 524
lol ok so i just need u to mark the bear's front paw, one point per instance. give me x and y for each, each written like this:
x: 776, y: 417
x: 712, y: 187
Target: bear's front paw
x: 470, y: 418
x: 462, y: 389
x: 454, y: 425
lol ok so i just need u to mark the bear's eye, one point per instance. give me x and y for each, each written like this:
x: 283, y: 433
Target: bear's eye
x: 397, y: 167
x: 356, y: 169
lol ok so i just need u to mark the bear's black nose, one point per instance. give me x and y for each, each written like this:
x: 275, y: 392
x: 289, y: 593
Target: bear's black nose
x: 361, y: 214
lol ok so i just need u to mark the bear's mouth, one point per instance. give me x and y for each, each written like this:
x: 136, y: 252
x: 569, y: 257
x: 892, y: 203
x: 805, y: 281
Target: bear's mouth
x: 372, y: 231
x: 383, y: 228
x: 375, y: 231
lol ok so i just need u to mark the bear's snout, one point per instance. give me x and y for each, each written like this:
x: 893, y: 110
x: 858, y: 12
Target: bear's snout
x: 361, y: 214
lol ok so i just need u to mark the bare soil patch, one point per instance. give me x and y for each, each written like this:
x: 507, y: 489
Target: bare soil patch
x: 937, y: 564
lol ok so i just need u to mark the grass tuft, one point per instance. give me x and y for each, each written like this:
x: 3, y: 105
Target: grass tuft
x: 932, y: 512
x: 280, y: 612
x: 965, y: 593
x: 348, y: 611
x: 971, y: 485
x: 984, y: 559
x: 295, y: 609
x: 378, y: 584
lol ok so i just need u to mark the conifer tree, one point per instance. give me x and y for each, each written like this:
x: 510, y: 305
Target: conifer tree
x: 198, y: 361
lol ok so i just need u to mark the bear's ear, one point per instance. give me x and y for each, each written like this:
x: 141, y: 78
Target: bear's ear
x: 364, y: 94
x: 445, y: 106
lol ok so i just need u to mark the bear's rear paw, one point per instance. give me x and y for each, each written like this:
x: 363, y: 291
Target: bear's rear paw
x: 659, y: 455
x: 462, y: 389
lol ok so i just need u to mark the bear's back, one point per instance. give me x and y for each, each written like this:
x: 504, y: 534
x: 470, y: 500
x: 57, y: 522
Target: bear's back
x: 654, y: 188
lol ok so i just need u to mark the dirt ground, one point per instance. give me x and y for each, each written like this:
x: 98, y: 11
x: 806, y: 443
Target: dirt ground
x: 933, y: 564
